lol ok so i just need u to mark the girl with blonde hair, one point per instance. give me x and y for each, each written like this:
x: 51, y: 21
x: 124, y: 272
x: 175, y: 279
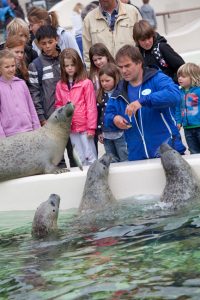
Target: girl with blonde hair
x: 17, y: 112
x: 188, y: 113
x: 20, y: 28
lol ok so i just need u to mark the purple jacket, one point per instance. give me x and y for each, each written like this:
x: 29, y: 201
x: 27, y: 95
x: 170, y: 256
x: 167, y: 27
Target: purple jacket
x: 17, y: 111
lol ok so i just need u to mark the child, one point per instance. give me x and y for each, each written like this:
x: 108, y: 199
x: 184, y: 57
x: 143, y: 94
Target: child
x: 44, y: 73
x: 188, y: 113
x: 38, y: 16
x: 17, y: 111
x: 19, y: 27
x: 114, y: 141
x: 16, y: 45
x: 44, y: 94
x: 75, y: 87
x: 155, y: 49
x: 148, y: 13
x: 99, y: 56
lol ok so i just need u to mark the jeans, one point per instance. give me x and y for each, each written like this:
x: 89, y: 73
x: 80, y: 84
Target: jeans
x: 80, y: 43
x: 192, y: 137
x: 117, y: 148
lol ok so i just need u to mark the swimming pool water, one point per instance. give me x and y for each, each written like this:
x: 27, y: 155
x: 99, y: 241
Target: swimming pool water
x: 148, y: 256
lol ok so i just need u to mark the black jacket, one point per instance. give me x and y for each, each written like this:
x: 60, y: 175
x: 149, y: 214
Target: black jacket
x: 30, y: 54
x: 162, y: 55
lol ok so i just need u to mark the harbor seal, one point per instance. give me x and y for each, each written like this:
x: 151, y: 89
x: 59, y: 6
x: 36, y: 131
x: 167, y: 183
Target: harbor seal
x: 97, y: 193
x: 38, y: 151
x: 45, y: 218
x: 182, y: 184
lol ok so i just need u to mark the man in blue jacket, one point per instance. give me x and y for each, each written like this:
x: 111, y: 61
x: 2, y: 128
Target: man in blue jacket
x: 143, y: 104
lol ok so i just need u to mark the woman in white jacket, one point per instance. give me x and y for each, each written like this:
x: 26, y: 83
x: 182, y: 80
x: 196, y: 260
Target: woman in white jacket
x: 38, y: 16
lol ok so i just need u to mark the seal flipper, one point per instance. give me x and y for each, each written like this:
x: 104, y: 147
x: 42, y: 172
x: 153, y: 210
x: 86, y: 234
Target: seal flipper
x: 52, y: 169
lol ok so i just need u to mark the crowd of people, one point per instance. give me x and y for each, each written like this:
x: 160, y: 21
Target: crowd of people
x: 131, y: 90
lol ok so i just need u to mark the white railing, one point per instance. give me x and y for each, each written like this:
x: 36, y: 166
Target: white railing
x: 166, y: 15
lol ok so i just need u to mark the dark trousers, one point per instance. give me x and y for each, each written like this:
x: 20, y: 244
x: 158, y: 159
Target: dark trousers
x: 192, y: 137
x: 72, y: 162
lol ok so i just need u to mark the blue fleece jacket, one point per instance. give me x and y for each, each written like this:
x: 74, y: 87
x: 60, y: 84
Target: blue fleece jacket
x: 154, y: 123
x: 188, y: 112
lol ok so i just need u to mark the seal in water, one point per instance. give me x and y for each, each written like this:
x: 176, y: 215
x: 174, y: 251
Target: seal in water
x: 38, y: 151
x: 46, y: 215
x: 97, y: 193
x: 182, y: 184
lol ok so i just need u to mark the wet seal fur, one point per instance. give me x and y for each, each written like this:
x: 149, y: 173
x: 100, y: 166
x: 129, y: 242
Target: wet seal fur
x: 45, y: 218
x: 182, y: 184
x: 97, y: 193
x: 38, y: 151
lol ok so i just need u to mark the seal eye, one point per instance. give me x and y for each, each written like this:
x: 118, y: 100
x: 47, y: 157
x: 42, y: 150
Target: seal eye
x: 53, y: 210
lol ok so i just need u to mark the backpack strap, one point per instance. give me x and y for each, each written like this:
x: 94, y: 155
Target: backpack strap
x: 39, y: 67
x: 158, y: 56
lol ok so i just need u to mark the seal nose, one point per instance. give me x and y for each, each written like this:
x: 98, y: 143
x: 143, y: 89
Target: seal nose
x: 54, y: 200
x: 106, y: 160
x: 69, y: 108
x: 164, y: 148
x: 70, y: 104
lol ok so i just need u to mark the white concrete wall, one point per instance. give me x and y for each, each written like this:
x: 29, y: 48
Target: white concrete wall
x: 124, y: 180
x: 187, y: 39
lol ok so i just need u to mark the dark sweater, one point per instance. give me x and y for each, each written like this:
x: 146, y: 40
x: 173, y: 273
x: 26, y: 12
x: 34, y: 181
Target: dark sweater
x: 164, y: 56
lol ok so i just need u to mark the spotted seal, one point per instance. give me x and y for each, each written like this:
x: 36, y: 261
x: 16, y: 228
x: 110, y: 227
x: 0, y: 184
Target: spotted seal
x: 97, y: 193
x: 45, y: 218
x: 182, y: 184
x: 38, y: 151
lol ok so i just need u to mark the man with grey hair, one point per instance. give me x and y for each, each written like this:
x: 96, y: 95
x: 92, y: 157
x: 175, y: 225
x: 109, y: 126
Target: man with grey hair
x: 111, y: 23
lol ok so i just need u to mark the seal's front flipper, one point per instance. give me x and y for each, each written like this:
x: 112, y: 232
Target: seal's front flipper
x: 77, y: 158
x: 51, y: 169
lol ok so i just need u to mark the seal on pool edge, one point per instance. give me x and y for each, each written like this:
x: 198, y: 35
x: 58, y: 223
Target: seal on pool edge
x: 38, y: 151
x: 182, y: 184
x: 97, y: 193
x: 45, y: 218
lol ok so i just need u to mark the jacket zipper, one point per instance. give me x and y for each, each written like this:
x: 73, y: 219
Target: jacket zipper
x: 141, y: 131
x: 166, y: 124
x: 186, y: 117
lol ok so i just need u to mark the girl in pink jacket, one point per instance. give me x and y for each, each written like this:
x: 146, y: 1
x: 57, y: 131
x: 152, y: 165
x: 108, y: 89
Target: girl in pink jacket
x: 74, y: 86
x: 17, y: 111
